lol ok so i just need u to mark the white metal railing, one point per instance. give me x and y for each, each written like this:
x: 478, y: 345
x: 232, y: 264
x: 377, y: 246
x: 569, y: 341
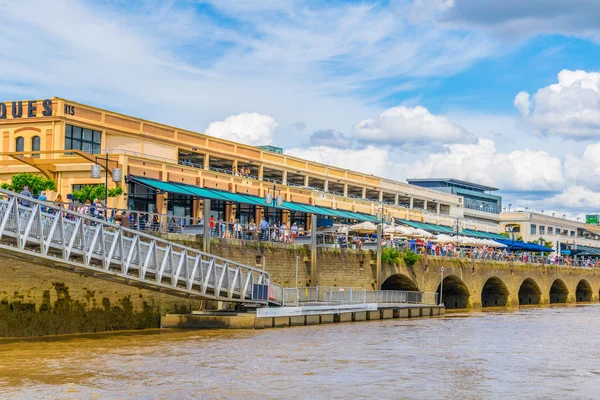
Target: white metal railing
x: 112, y: 252
x: 353, y: 295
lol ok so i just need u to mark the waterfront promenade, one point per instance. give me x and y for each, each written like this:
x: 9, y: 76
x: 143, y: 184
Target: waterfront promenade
x: 238, y: 272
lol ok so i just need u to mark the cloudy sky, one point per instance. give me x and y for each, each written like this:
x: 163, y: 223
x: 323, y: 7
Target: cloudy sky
x: 501, y: 92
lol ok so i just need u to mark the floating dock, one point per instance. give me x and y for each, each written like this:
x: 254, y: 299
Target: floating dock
x: 310, y: 314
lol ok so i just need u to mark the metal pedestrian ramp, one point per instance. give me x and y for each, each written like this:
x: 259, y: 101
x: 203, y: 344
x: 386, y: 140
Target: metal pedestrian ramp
x: 56, y: 237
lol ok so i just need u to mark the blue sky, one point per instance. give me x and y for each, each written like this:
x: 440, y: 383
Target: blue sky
x: 470, y: 89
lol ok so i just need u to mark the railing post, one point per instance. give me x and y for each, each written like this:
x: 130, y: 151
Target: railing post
x: 206, y: 216
x: 313, y: 250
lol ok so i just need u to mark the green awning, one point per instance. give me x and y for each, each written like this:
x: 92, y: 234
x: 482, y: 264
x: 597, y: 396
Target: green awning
x: 201, y: 192
x: 238, y: 198
x: 428, y: 227
x: 162, y: 186
x: 195, y: 191
x: 296, y: 207
x: 366, y: 217
x: 482, y: 235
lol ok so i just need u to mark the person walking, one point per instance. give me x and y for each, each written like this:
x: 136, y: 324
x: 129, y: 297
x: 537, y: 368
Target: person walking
x: 84, y: 208
x: 43, y: 197
x: 294, y: 230
x: 58, y: 203
x: 25, y: 192
x: 252, y: 230
x: 264, y: 227
x: 237, y: 229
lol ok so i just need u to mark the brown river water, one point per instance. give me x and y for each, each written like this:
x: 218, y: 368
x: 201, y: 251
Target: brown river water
x: 528, y: 353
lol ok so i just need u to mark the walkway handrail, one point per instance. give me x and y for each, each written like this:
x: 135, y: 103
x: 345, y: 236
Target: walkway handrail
x: 354, y: 295
x: 112, y: 251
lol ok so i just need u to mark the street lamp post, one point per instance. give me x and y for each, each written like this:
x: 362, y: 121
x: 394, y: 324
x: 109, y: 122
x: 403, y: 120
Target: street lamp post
x: 441, y: 285
x: 457, y: 225
x: 273, y: 200
x: 116, y: 176
x: 382, y: 217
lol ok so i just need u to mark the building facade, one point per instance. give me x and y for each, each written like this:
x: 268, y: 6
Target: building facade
x: 478, y: 201
x: 533, y: 226
x: 62, y: 139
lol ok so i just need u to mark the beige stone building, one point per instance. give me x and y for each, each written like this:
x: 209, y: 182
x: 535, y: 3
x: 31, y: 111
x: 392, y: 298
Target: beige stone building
x: 62, y: 139
x: 532, y: 226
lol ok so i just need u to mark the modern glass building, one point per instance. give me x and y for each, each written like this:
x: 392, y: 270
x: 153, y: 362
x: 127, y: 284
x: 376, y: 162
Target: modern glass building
x: 478, y: 200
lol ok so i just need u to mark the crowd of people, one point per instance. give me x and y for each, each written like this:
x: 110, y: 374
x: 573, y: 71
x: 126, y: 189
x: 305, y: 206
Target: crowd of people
x: 280, y: 232
x: 244, y: 172
x: 425, y: 247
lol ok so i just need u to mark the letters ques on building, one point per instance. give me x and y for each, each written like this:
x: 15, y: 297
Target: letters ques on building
x: 27, y: 110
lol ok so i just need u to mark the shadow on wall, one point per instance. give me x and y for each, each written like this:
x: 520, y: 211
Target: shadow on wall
x: 494, y: 293
x: 456, y: 294
x: 529, y: 292
x: 65, y: 315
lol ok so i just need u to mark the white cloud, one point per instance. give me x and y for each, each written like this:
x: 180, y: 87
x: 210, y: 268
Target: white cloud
x: 370, y: 160
x: 518, y: 19
x: 586, y: 168
x: 521, y: 170
x: 569, y: 108
x: 523, y: 103
x: 330, y: 137
x: 400, y: 125
x: 167, y: 60
x: 248, y: 128
x: 575, y: 199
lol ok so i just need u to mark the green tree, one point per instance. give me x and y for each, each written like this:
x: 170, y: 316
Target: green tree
x: 36, y: 183
x: 92, y: 192
x: 544, y: 242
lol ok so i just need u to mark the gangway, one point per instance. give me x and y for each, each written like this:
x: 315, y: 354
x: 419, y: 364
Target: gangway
x: 56, y: 237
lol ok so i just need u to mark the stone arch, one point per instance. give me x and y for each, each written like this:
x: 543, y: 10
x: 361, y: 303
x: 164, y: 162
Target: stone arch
x: 494, y: 293
x: 529, y: 292
x: 399, y: 282
x: 583, y: 293
x: 455, y: 293
x: 28, y: 128
x: 559, y: 292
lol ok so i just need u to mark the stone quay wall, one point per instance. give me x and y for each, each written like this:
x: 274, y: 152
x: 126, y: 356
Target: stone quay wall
x: 36, y: 300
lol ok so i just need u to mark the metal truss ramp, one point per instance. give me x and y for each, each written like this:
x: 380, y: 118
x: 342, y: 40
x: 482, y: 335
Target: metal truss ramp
x: 52, y: 236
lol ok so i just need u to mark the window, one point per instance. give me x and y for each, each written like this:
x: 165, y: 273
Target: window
x: 542, y: 229
x: 550, y: 231
x: 533, y: 229
x: 20, y: 144
x: 572, y: 233
x: 87, y: 140
x: 141, y: 198
x: 35, y: 145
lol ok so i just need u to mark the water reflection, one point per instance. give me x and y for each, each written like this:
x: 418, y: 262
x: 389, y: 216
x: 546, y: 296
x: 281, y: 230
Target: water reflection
x: 528, y: 353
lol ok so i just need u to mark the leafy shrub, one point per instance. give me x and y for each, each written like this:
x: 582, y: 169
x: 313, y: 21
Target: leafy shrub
x: 36, y: 183
x: 411, y: 258
x: 92, y: 192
